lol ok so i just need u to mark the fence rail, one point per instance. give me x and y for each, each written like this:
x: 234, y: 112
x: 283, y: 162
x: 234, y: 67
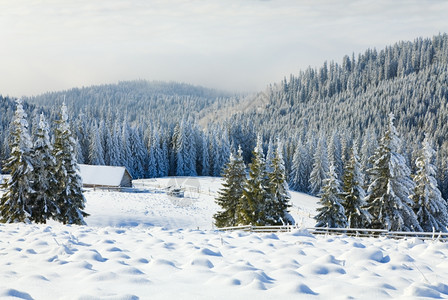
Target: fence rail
x: 358, y: 232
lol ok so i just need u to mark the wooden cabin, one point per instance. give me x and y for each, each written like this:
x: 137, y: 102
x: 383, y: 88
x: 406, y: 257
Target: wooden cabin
x: 105, y: 176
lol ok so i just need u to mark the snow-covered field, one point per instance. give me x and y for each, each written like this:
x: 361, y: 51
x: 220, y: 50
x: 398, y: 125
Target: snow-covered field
x: 148, y: 246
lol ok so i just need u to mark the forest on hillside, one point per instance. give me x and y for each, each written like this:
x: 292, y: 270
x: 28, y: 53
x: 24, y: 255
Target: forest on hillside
x: 158, y: 129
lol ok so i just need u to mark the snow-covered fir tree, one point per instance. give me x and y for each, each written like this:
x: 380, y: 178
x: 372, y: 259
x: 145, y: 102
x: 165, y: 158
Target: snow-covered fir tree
x: 429, y: 206
x: 44, y: 206
x: 203, y: 157
x: 252, y: 210
x: 335, y: 153
x: 234, y: 175
x: 126, y: 153
x: 320, y: 167
x: 179, y: 150
x: 96, y: 151
x: 353, y: 191
x: 278, y: 203
x: 190, y: 150
x: 391, y: 186
x: 153, y: 149
x: 300, y: 169
x: 215, y: 164
x: 15, y: 204
x: 69, y: 197
x: 270, y: 154
x: 331, y: 213
x: 139, y: 153
x: 115, y: 144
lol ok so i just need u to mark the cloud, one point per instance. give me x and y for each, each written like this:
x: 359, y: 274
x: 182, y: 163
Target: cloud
x: 51, y: 45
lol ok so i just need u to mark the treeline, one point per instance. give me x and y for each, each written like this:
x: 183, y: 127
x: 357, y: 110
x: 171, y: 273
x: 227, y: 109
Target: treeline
x: 385, y: 194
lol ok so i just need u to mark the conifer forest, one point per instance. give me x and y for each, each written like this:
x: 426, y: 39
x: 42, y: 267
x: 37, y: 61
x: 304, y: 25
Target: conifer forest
x: 367, y: 134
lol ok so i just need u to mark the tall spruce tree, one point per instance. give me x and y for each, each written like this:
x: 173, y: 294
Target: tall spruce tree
x: 391, y: 185
x: 15, y: 204
x: 70, y: 199
x: 331, y: 213
x: 96, y: 151
x: 277, y: 211
x: 320, y: 167
x: 429, y: 206
x: 353, y: 191
x: 43, y: 202
x: 256, y: 191
x: 300, y: 169
x: 230, y: 195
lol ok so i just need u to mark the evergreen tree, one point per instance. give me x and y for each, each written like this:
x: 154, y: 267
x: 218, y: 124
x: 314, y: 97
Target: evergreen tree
x: 15, y: 204
x: 252, y: 210
x: 300, y: 169
x: 354, y: 194
x: 270, y: 154
x: 96, y: 151
x: 164, y: 162
x: 190, y: 150
x: 139, y: 153
x: 277, y: 211
x: 115, y: 151
x: 153, y: 148
x: 126, y: 153
x: 388, y: 195
x: 43, y: 201
x: 69, y: 197
x: 429, y: 206
x: 320, y: 167
x: 331, y: 212
x: 180, y: 150
x: 335, y: 154
x: 204, y: 158
x: 234, y: 175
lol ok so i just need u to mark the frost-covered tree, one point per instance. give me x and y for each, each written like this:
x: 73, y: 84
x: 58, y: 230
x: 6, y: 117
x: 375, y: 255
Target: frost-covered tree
x: 153, y: 149
x: 190, y: 149
x: 115, y: 144
x: 69, y: 197
x: 256, y: 191
x: 43, y: 201
x: 300, y: 169
x: 353, y: 192
x: 234, y: 175
x: 96, y: 151
x: 331, y: 213
x: 429, y: 206
x: 15, y: 204
x: 335, y: 153
x: 139, y: 153
x: 320, y: 167
x: 203, y: 157
x: 126, y: 153
x: 391, y: 186
x: 270, y: 154
x: 278, y: 202
x: 179, y: 150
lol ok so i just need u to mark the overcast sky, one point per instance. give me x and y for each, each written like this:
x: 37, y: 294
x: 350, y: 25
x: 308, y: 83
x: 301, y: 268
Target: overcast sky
x: 235, y: 45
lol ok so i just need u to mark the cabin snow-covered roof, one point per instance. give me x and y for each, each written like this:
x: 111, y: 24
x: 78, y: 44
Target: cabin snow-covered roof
x: 102, y: 175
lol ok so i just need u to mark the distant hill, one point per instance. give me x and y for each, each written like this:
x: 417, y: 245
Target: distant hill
x: 139, y: 101
x: 356, y: 94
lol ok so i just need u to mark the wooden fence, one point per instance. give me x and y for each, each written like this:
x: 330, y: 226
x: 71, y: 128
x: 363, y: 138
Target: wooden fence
x: 357, y: 232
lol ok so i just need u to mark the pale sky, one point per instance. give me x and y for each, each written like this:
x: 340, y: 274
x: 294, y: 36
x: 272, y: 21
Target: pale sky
x: 243, y: 45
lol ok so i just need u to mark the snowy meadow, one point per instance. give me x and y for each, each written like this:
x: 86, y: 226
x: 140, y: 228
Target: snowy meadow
x: 149, y: 245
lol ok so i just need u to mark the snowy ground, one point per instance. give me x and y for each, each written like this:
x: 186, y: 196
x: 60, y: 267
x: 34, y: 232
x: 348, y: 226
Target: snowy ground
x: 147, y: 246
